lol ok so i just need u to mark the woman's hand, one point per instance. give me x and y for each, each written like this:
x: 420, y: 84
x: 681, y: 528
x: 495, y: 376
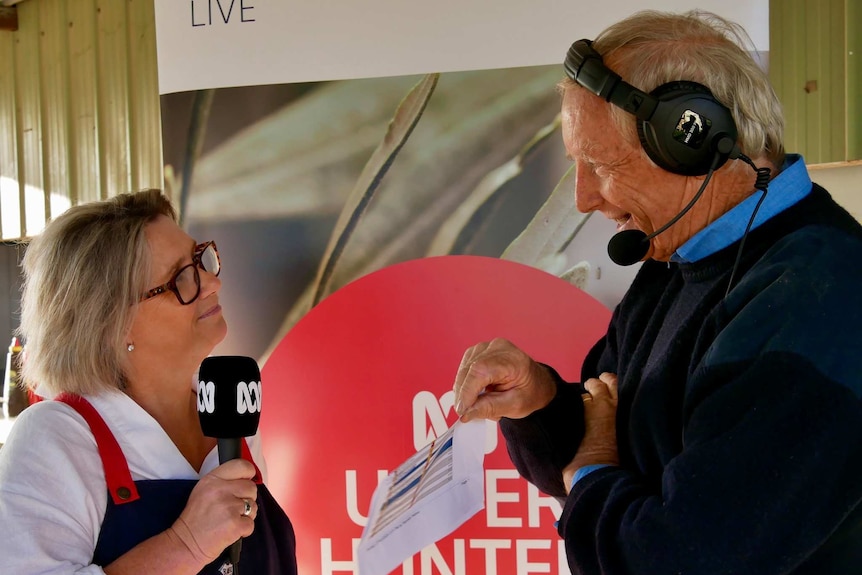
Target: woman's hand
x: 496, y: 379
x: 214, y: 517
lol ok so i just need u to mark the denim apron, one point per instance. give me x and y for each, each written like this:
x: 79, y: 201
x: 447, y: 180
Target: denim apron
x: 138, y: 510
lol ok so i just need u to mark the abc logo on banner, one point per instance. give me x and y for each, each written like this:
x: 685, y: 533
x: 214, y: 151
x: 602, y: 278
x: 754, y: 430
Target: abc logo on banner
x: 431, y: 417
x: 365, y: 379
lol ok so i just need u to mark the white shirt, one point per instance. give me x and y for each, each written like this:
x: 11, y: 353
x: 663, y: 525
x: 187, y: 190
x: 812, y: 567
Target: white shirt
x: 53, y: 494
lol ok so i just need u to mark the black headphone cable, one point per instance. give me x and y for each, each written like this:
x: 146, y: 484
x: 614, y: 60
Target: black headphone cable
x: 761, y: 183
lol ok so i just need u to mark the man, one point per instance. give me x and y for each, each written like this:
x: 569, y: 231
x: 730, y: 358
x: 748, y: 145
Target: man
x: 718, y: 428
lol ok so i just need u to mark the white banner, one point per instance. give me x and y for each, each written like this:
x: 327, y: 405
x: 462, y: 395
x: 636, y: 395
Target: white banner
x: 222, y: 43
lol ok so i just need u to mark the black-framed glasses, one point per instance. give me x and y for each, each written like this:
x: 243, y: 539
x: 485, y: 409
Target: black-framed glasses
x: 186, y: 283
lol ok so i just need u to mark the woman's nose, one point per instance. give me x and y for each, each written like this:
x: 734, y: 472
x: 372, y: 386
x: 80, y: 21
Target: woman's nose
x: 210, y: 283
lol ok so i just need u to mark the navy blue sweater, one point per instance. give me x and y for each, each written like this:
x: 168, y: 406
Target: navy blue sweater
x: 739, y: 422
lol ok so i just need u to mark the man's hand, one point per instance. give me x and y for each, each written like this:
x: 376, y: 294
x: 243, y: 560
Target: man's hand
x: 599, y: 445
x: 496, y: 379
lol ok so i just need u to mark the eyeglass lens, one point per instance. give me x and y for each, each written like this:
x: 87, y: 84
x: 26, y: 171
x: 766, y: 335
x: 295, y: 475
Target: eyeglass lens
x: 209, y: 260
x: 188, y: 281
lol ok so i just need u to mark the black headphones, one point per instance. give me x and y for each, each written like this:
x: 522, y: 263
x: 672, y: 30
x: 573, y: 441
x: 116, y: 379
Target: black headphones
x: 681, y: 125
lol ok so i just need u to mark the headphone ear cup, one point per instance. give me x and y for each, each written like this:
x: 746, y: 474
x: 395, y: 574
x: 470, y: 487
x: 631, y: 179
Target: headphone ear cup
x: 647, y: 137
x: 683, y: 133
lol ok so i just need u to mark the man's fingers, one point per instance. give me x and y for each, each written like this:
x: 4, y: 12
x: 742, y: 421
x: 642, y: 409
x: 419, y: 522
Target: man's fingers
x: 467, y: 388
x: 486, y: 407
x: 481, y: 367
x: 497, y: 379
x: 475, y: 399
x: 610, y: 380
x: 604, y: 386
x: 596, y: 388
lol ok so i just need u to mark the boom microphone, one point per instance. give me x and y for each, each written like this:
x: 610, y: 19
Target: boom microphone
x: 229, y: 403
x: 630, y: 246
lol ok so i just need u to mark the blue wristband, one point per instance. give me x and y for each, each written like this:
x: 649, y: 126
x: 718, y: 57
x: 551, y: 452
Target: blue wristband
x: 586, y: 470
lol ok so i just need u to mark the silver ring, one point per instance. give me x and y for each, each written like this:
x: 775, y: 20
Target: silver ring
x: 247, y: 511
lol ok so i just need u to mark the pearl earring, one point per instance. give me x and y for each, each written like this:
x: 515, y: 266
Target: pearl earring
x: 131, y: 347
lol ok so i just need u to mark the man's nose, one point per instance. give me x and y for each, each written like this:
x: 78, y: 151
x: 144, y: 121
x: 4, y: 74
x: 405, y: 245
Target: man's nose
x: 587, y: 197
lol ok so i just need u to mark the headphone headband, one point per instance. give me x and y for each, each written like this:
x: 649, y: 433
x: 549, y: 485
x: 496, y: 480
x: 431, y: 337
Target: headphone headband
x: 585, y: 66
x: 682, y: 127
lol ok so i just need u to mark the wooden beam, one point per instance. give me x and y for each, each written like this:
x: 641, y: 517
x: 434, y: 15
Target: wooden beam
x: 8, y: 18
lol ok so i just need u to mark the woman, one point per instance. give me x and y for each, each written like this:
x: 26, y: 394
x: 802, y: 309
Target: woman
x: 119, y: 308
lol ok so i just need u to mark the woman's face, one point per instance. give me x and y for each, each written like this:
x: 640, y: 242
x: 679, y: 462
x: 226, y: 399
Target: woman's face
x: 173, y: 336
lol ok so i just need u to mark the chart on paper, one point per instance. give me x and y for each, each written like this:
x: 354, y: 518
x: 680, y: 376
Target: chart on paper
x: 416, y: 479
x: 425, y: 498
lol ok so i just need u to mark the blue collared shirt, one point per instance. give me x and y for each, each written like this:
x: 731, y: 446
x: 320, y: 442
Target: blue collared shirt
x: 791, y: 185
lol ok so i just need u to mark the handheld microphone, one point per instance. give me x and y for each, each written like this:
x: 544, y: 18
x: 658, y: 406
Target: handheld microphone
x: 229, y: 403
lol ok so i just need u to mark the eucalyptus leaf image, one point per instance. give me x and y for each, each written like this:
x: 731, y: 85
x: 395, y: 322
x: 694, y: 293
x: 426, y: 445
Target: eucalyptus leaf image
x: 406, y: 167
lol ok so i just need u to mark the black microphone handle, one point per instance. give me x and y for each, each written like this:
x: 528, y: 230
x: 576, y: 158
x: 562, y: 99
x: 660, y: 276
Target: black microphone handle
x: 231, y: 448
x: 233, y: 555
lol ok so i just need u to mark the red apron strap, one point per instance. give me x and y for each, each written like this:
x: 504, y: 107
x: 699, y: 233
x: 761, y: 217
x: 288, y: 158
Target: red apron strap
x: 246, y: 454
x: 117, y: 474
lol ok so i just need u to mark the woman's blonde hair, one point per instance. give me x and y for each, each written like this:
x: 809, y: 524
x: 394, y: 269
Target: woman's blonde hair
x: 83, y: 279
x: 652, y: 48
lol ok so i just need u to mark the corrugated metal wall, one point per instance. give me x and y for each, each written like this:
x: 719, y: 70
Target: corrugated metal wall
x: 854, y: 79
x: 814, y: 69
x: 80, y: 118
x: 79, y: 108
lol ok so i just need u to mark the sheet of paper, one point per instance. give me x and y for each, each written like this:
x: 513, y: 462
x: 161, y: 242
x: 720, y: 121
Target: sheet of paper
x: 425, y: 498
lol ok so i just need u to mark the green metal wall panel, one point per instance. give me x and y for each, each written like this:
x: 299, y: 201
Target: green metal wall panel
x: 83, y: 101
x: 854, y: 79
x: 813, y: 65
x: 783, y: 53
x: 809, y: 42
x: 11, y: 188
x: 79, y: 108
x: 113, y: 96
x: 833, y: 103
x: 145, y: 112
x: 54, y: 74
x: 28, y: 100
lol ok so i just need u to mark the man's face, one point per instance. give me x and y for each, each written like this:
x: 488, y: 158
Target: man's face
x: 616, y: 178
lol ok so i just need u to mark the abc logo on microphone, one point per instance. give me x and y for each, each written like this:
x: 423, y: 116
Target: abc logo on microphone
x: 229, y: 396
x: 247, y: 397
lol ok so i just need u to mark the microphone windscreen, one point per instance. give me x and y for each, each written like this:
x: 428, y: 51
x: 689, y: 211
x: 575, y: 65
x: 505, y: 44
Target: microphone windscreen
x: 628, y: 247
x: 229, y: 396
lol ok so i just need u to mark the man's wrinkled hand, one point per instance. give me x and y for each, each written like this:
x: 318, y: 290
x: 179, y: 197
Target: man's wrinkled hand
x: 497, y: 379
